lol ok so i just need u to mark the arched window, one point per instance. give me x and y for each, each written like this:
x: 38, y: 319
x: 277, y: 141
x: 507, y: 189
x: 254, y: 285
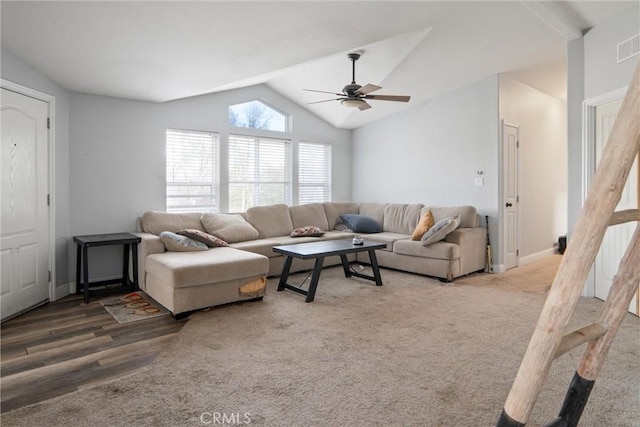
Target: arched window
x: 257, y: 115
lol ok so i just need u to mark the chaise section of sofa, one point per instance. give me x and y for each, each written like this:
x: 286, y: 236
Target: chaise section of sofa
x: 188, y: 281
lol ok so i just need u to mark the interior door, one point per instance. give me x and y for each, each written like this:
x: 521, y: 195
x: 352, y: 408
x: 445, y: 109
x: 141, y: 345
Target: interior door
x: 24, y: 225
x: 510, y: 147
x: 617, y: 237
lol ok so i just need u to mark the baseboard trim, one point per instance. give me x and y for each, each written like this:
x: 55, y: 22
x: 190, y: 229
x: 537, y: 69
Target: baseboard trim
x: 62, y: 291
x: 499, y: 268
x: 537, y: 256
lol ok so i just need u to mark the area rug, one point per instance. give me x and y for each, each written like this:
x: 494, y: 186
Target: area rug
x: 134, y: 310
x: 414, y: 352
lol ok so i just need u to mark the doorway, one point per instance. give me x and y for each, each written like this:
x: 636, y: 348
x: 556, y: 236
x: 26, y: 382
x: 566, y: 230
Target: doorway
x: 25, y: 225
x: 510, y: 191
x: 616, y: 238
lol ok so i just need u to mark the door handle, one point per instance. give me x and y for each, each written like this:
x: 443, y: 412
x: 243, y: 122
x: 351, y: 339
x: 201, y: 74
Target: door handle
x: 508, y: 204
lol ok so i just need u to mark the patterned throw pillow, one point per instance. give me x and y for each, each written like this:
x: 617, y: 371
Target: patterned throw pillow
x: 424, y: 225
x: 177, y: 243
x: 440, y: 230
x: 201, y: 236
x: 308, y: 231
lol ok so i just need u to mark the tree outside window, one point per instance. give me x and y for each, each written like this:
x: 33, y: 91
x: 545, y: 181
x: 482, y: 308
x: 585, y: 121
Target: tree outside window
x: 257, y: 115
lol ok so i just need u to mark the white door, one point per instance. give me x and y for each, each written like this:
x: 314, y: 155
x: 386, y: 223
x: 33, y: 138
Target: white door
x: 510, y: 148
x: 617, y: 237
x: 24, y: 225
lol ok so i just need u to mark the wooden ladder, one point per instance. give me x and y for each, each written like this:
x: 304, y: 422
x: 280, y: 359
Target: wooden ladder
x: 548, y: 341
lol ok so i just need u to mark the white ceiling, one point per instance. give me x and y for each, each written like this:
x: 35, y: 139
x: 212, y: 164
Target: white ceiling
x: 160, y: 51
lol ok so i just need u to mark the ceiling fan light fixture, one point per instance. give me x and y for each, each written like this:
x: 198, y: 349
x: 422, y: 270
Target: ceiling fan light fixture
x: 353, y: 103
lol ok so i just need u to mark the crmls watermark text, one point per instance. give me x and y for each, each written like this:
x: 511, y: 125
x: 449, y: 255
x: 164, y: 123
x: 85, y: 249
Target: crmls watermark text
x: 225, y: 419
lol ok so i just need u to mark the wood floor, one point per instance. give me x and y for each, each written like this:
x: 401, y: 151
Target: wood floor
x: 67, y: 345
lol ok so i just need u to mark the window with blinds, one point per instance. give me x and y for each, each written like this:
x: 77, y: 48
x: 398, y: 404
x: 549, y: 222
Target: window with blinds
x: 259, y: 172
x: 192, y: 171
x: 314, y: 173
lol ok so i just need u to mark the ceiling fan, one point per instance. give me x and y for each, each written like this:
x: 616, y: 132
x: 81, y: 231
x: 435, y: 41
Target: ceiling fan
x: 354, y: 96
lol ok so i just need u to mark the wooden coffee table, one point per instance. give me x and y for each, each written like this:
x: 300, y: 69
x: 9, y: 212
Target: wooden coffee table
x: 321, y: 250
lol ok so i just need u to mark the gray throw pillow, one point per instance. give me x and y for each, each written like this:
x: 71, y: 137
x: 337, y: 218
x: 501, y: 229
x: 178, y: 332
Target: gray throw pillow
x: 440, y: 230
x: 361, y: 223
x: 177, y: 243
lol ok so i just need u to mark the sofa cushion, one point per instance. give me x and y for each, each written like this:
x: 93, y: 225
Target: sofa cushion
x: 373, y: 210
x: 177, y: 243
x: 229, y: 227
x: 438, y: 250
x: 309, y: 215
x: 440, y: 230
x: 425, y: 223
x: 361, y: 223
x: 181, y: 269
x: 468, y: 214
x: 401, y: 218
x: 309, y: 231
x: 155, y: 222
x: 333, y: 210
x: 386, y: 237
x: 260, y: 246
x: 270, y: 221
x: 203, y: 237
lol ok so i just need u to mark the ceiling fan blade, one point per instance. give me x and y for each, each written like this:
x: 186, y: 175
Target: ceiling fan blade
x: 399, y: 98
x: 324, y: 91
x: 368, y: 88
x: 325, y: 100
x: 364, y: 107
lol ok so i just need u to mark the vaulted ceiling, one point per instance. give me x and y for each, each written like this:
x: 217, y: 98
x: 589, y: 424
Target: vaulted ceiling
x: 161, y: 51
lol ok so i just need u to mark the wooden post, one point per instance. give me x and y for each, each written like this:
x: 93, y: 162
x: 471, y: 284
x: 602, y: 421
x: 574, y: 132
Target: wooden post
x: 615, y: 308
x: 591, y: 225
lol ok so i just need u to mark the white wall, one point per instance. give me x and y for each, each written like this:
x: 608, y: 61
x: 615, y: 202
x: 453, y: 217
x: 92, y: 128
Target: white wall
x: 592, y: 61
x: 543, y: 165
x: 117, y: 155
x: 16, y: 71
x: 431, y: 153
x: 602, y: 73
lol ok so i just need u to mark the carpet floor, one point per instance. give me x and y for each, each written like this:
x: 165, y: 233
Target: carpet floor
x: 414, y: 352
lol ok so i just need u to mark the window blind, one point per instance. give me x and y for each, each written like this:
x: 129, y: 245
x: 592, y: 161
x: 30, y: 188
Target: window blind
x: 192, y: 160
x: 314, y: 173
x: 259, y: 172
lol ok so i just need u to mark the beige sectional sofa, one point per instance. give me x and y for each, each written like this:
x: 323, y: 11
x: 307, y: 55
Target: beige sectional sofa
x: 188, y: 281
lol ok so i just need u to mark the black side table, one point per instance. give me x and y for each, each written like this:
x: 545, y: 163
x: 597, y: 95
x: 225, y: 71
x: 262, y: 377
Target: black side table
x: 130, y: 243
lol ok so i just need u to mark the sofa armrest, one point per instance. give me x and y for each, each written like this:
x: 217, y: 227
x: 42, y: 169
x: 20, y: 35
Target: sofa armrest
x: 149, y: 244
x: 473, y: 243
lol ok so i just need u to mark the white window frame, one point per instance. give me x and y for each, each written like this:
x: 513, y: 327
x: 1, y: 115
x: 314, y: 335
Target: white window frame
x: 285, y: 117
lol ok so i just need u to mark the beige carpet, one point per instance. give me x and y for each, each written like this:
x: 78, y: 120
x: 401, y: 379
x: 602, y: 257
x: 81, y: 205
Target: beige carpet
x: 414, y: 352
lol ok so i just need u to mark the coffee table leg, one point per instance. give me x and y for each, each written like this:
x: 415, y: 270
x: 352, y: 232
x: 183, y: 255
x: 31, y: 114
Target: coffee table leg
x: 345, y: 266
x: 375, y: 268
x: 314, y: 279
x: 284, y: 276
